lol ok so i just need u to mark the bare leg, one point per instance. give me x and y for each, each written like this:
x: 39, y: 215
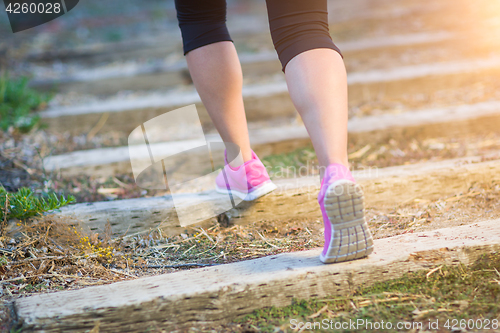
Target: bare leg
x: 216, y: 73
x: 317, y: 83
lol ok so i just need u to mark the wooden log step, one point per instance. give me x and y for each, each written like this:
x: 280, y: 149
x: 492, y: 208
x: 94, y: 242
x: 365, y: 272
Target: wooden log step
x: 106, y: 80
x: 268, y: 101
x: 209, y: 296
x: 105, y: 162
x: 294, y: 198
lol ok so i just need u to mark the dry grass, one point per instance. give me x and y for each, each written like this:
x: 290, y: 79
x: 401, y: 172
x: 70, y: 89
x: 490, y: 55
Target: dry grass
x: 481, y: 202
x: 46, y: 254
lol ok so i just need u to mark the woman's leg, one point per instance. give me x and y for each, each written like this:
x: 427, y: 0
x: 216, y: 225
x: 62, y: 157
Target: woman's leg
x: 216, y: 73
x: 317, y: 84
x: 315, y: 74
x: 215, y: 69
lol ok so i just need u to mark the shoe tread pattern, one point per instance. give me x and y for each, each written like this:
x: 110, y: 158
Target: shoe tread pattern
x: 351, y: 237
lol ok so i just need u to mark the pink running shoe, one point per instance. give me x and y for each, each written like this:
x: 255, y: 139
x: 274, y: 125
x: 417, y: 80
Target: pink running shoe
x: 341, y: 200
x: 249, y: 181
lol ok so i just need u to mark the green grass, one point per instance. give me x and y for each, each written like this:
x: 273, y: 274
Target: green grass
x: 454, y: 295
x: 24, y: 203
x: 300, y: 162
x: 17, y: 103
x: 33, y: 288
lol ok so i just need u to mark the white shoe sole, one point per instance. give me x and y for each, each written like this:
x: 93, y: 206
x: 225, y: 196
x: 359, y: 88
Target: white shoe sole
x: 263, y: 189
x: 351, y: 239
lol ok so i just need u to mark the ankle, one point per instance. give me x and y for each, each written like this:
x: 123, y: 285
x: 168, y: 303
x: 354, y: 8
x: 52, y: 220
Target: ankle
x: 234, y: 162
x: 323, y: 168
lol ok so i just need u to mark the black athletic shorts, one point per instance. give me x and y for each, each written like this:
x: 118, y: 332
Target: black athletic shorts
x: 296, y: 25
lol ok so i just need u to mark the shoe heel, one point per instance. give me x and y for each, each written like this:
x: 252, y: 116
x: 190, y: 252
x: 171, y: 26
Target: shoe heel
x: 351, y: 237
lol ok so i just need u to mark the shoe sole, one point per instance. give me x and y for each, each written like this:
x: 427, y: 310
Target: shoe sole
x: 351, y: 238
x: 255, y: 194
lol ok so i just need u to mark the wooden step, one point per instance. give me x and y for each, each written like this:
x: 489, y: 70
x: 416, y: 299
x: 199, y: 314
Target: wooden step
x: 105, y: 162
x: 107, y: 80
x: 294, y: 198
x: 268, y: 101
x: 209, y: 296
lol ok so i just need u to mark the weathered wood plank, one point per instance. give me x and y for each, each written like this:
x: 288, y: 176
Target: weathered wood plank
x: 164, y: 75
x: 105, y: 162
x: 268, y: 101
x: 216, y: 294
x: 294, y: 198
